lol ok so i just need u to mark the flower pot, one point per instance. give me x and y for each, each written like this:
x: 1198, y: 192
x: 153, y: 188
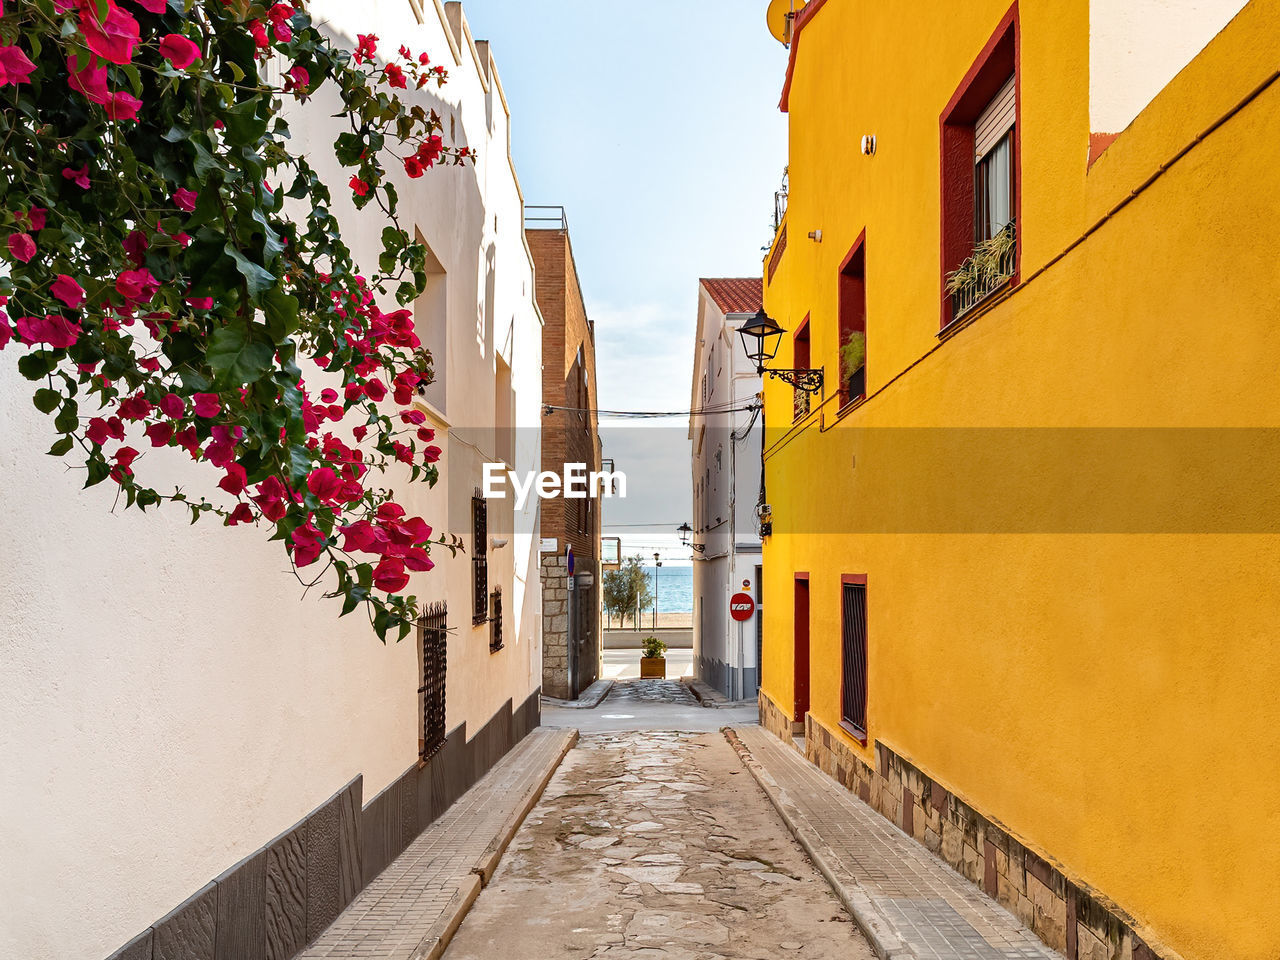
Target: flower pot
x: 653, y: 667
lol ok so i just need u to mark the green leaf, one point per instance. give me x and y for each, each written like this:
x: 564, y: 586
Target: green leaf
x: 46, y: 400
x: 281, y: 311
x: 62, y: 447
x: 36, y: 366
x: 258, y: 277
x: 237, y: 358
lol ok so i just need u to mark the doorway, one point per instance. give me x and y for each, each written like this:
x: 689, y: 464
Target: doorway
x: 801, y: 658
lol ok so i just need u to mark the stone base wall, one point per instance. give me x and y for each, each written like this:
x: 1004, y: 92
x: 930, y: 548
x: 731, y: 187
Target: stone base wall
x: 772, y: 717
x: 277, y: 900
x: 555, y: 627
x: 1070, y: 917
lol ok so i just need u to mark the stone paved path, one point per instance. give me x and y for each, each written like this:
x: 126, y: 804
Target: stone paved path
x: 655, y: 845
x: 412, y: 903
x: 908, y: 900
x: 649, y: 691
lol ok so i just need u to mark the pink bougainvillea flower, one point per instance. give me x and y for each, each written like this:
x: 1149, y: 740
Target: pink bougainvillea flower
x: 393, y: 75
x: 34, y: 218
x: 358, y: 186
x: 280, y: 12
x: 243, y: 513
x: 135, y: 245
x: 406, y: 52
x: 159, y: 433
x: 207, y: 404
x: 113, y: 38
x: 135, y: 407
x: 185, y: 199
x: 235, y: 480
x: 22, y: 247
x: 15, y: 66
x: 366, y: 46
x: 200, y: 303
x: 151, y: 6
x: 426, y: 434
x: 418, y: 560
x: 123, y: 106
x: 283, y: 32
x: 137, y: 286
x: 390, y: 575
x: 125, y: 456
x: 413, y: 416
x: 431, y: 454
x: 328, y: 395
x: 296, y: 79
x: 55, y: 330
x: 171, y: 405
x: 324, y: 484
x: 80, y: 177
x: 90, y: 80
x: 67, y: 290
x: 5, y: 333
x: 307, y: 544
x: 375, y: 390
x: 360, y: 433
x: 259, y: 33
x: 413, y: 167
x: 179, y: 51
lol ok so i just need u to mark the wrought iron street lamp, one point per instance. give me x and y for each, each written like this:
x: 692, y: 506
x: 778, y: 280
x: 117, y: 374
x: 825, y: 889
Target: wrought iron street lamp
x: 760, y: 338
x: 686, y: 534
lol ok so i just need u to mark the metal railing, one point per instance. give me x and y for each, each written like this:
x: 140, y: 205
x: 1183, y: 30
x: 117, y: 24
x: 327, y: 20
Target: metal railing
x: 989, y: 269
x: 545, y: 217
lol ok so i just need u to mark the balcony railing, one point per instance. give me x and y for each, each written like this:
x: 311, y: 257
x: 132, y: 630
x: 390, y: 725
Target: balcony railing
x: 986, y: 271
x: 545, y: 217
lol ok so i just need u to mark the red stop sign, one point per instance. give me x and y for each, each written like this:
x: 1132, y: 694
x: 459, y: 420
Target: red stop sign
x: 741, y: 606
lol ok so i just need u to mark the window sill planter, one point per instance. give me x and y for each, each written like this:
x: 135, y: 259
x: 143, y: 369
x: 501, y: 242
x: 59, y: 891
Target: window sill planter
x: 653, y: 668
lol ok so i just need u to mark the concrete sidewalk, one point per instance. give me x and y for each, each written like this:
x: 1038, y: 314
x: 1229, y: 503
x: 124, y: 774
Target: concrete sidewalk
x: 412, y: 909
x: 908, y: 902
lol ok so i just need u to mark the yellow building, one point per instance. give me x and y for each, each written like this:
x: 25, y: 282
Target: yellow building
x: 1024, y: 569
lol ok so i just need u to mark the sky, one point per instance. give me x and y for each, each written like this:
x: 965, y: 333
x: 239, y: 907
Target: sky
x: 656, y: 126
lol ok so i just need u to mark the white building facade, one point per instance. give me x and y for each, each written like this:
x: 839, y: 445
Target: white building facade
x: 181, y: 729
x: 726, y: 444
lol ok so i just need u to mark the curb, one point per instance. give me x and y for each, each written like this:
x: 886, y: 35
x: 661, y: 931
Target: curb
x: 709, y: 696
x: 437, y: 939
x: 873, y: 924
x: 589, y: 700
x: 433, y: 945
x: 492, y: 856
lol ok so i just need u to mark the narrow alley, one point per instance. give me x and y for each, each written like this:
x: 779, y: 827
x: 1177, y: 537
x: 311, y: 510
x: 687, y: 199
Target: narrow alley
x: 655, y: 843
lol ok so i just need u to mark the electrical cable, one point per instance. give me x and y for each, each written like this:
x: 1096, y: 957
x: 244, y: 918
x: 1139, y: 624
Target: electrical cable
x: 651, y: 414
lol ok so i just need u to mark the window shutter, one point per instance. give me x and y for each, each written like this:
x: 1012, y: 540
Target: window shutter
x: 995, y: 121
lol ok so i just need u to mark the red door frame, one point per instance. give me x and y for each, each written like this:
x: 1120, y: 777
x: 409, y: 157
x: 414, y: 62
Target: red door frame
x: 801, y: 686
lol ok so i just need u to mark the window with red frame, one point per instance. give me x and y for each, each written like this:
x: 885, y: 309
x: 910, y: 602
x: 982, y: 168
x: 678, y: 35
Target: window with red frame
x: 980, y: 179
x: 853, y: 324
x: 801, y: 361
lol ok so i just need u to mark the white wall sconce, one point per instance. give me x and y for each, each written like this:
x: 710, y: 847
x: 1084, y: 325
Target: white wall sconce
x: 868, y: 144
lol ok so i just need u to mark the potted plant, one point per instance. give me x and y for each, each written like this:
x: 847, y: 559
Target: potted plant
x: 653, y: 664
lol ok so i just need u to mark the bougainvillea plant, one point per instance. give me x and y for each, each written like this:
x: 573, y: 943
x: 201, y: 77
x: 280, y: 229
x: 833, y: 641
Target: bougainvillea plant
x: 172, y: 270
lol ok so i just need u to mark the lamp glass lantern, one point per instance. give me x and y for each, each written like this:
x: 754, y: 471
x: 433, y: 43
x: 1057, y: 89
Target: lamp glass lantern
x: 761, y: 336
x: 685, y: 532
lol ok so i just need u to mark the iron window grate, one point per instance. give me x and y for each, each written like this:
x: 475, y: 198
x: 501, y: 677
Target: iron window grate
x: 853, y: 689
x: 479, y: 560
x: 433, y: 634
x: 495, y: 621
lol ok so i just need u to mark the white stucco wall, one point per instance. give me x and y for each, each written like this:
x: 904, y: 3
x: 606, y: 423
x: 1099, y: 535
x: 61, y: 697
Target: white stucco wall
x: 1137, y: 46
x: 171, y: 700
x: 724, y: 514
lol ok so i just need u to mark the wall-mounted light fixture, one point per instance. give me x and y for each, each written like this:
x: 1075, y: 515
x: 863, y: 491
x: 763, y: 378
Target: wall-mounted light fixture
x: 760, y: 338
x: 816, y: 235
x: 868, y: 144
x: 686, y: 533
